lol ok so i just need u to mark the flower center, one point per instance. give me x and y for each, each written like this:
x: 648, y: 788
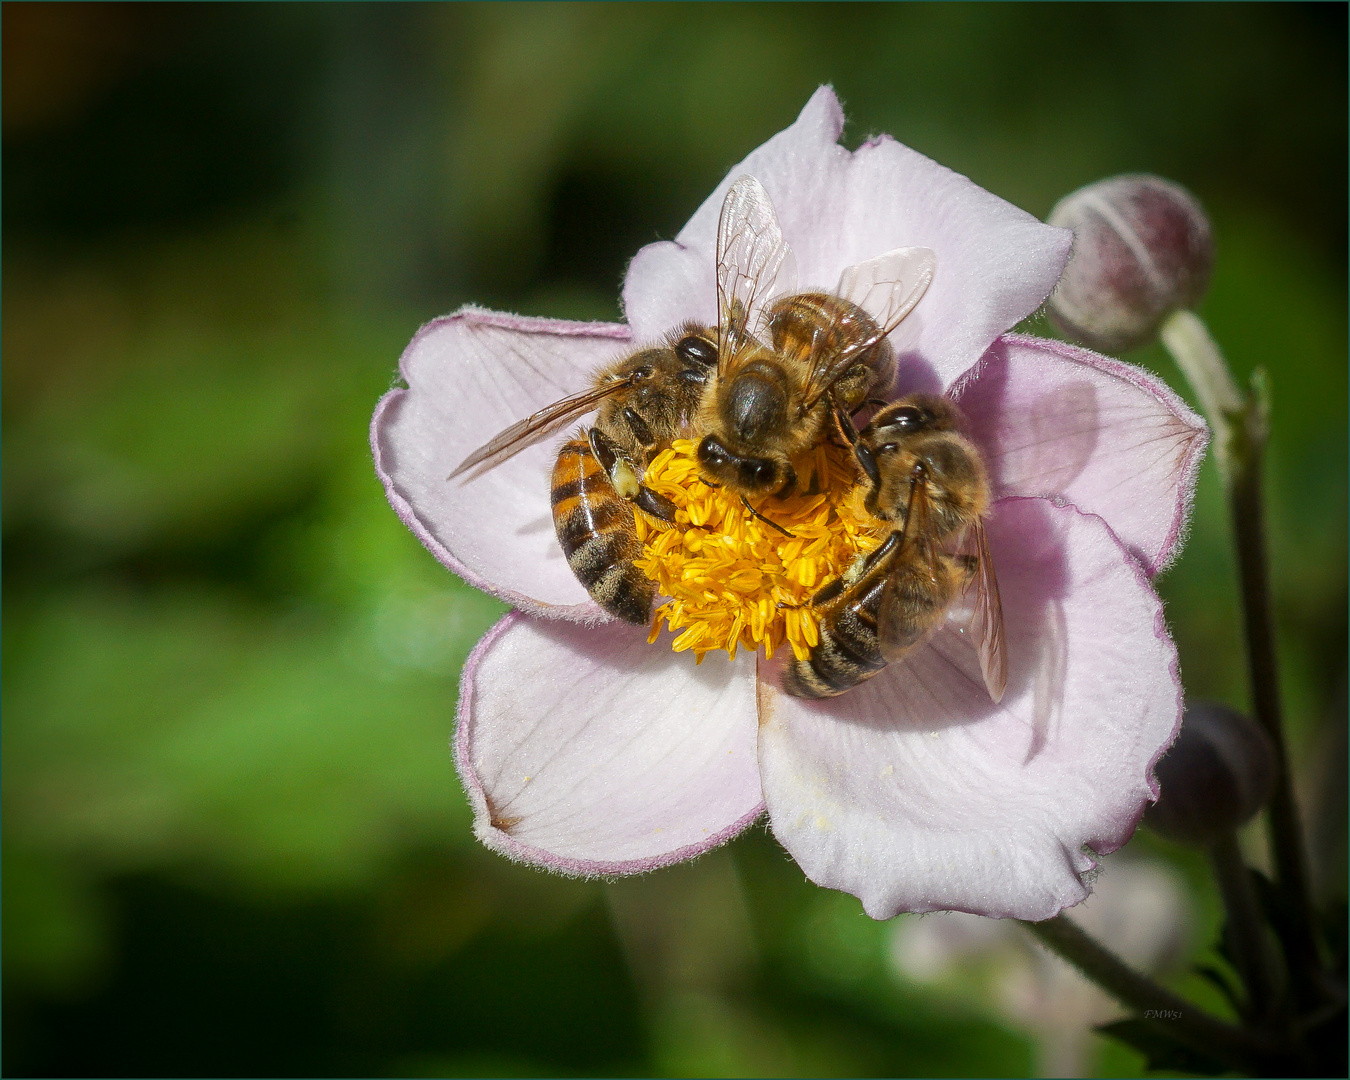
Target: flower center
x: 734, y: 580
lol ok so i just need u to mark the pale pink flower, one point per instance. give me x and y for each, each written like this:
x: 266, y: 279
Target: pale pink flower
x: 588, y: 751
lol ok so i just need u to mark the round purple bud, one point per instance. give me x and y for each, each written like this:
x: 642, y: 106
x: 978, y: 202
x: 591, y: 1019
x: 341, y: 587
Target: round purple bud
x: 1142, y: 248
x: 1219, y: 772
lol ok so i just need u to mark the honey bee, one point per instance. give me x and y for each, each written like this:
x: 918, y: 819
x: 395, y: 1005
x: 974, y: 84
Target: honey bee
x: 787, y: 360
x: 758, y: 405
x: 928, y: 483
x: 645, y: 401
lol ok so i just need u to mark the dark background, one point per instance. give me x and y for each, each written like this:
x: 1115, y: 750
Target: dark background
x: 234, y: 843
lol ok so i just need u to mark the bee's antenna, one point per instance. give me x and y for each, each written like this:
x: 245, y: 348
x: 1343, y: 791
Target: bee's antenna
x: 746, y: 503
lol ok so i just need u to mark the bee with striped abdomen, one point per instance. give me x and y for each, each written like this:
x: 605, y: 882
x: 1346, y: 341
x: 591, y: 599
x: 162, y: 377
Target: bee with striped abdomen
x: 645, y: 401
x: 927, y: 483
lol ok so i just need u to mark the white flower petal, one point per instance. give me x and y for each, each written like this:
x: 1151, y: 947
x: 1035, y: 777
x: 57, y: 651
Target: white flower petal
x: 470, y: 375
x: 588, y: 751
x: 1061, y: 422
x: 916, y: 793
x: 995, y: 263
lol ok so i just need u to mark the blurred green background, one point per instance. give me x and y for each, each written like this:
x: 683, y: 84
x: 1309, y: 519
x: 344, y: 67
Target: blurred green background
x: 234, y: 842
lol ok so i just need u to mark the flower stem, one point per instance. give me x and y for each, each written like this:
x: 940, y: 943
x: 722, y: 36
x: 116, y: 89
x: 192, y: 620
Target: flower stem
x: 1202, y: 1032
x: 1240, y: 430
x: 1286, y: 834
x: 1246, y: 930
x: 1197, y: 354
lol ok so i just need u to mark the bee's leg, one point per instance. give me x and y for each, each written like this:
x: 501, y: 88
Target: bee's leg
x: 829, y: 591
x: 844, y: 423
x: 868, y: 463
x: 639, y: 428
x: 656, y: 505
x: 621, y: 473
x: 788, y: 486
x: 852, y: 387
x: 626, y: 483
x: 864, y: 563
x: 824, y: 595
x: 858, y: 569
x: 652, y: 503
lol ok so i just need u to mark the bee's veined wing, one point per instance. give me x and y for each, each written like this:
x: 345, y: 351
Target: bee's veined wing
x: 986, y: 623
x: 887, y: 288
x: 534, y: 428
x: 754, y: 264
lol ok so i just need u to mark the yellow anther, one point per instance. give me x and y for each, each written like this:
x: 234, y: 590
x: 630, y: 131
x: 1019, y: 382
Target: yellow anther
x: 725, y: 572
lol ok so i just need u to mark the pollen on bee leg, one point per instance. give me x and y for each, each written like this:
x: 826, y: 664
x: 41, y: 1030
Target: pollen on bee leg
x: 731, y: 579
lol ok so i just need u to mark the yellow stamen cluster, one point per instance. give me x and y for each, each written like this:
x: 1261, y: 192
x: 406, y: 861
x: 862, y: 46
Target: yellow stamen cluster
x: 735, y: 581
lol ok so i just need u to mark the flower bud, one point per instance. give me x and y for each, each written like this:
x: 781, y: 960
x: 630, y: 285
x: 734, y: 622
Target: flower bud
x: 1219, y: 772
x: 1141, y: 249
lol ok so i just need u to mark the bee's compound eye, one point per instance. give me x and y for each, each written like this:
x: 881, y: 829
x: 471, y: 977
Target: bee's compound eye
x: 868, y: 463
x: 693, y: 349
x: 712, y: 453
x: 758, y: 472
x: 906, y: 418
x: 638, y: 374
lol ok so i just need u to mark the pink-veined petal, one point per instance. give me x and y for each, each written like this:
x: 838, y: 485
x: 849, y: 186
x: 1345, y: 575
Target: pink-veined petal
x: 470, y: 375
x: 915, y: 792
x: 995, y: 262
x: 1059, y: 421
x: 588, y: 751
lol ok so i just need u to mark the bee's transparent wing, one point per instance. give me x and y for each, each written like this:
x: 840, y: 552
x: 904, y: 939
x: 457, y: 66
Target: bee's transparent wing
x: 537, y: 427
x: 887, y: 288
x: 986, y: 623
x: 754, y: 264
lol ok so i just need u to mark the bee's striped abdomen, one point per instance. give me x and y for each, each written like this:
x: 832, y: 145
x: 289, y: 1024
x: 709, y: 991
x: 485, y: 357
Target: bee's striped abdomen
x: 598, y: 536
x: 847, y: 654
